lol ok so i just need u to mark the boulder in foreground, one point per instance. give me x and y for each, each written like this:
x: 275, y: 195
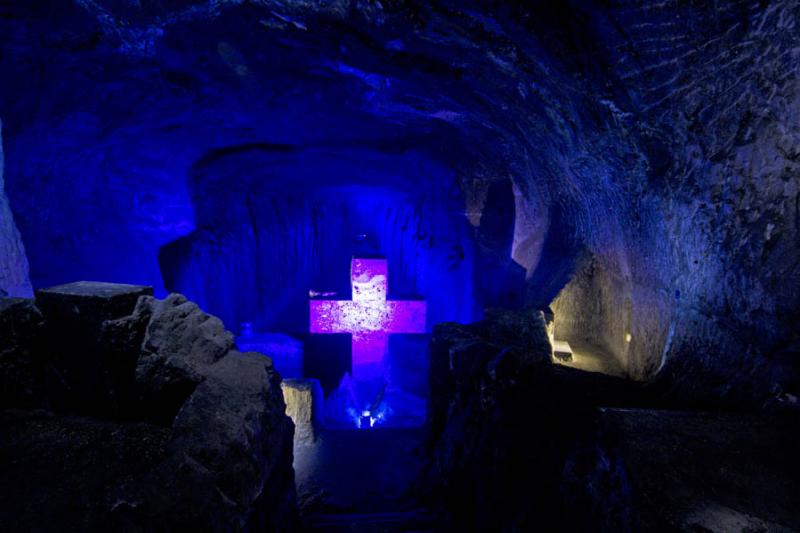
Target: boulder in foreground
x: 138, y: 414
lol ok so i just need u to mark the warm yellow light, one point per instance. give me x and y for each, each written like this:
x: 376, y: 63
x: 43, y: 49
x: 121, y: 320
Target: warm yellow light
x: 627, y: 337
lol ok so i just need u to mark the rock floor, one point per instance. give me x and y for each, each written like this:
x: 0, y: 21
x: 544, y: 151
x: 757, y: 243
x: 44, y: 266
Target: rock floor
x: 45, y: 458
x: 362, y: 480
x: 711, y: 471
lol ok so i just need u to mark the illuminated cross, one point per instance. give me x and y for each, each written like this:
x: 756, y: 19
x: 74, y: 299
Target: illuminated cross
x: 369, y: 317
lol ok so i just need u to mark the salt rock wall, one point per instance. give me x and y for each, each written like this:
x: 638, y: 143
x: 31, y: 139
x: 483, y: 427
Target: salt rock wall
x: 595, y: 308
x: 275, y: 222
x: 502, y: 419
x: 14, y: 280
x: 694, y: 232
x: 659, y: 138
x: 137, y: 414
x: 713, y: 239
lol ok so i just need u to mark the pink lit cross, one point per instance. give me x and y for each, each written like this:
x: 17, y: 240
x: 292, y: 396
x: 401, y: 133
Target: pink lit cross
x: 369, y: 317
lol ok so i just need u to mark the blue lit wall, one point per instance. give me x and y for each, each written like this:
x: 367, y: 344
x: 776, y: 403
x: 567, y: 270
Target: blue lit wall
x: 274, y: 223
x: 101, y: 143
x: 112, y: 108
x: 223, y: 162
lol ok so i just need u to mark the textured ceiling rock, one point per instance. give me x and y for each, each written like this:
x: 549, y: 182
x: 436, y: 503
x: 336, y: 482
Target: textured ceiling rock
x: 659, y: 138
x: 14, y: 279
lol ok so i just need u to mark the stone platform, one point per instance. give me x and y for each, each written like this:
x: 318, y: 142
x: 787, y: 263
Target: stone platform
x: 83, y: 373
x: 104, y: 301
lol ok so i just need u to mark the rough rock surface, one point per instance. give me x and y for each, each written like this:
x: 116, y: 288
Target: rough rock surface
x: 57, y: 470
x: 502, y: 418
x: 303, y: 399
x: 218, y: 456
x: 82, y: 373
x: 517, y: 443
x: 660, y: 138
x: 21, y: 327
x: 646, y: 470
x: 180, y: 343
x: 229, y: 462
x: 14, y: 280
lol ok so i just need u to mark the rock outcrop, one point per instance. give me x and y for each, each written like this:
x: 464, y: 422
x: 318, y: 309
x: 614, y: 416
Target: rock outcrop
x: 180, y: 344
x: 656, y: 470
x: 502, y: 418
x: 14, y: 280
x: 83, y: 372
x: 121, y: 377
x: 518, y: 443
x: 303, y: 405
x: 21, y: 328
x: 228, y: 461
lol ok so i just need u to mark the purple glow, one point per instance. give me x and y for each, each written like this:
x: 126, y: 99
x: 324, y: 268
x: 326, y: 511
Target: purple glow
x: 369, y: 317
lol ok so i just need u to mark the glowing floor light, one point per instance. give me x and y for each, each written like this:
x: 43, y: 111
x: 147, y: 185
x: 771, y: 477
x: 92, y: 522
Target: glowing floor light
x: 369, y: 317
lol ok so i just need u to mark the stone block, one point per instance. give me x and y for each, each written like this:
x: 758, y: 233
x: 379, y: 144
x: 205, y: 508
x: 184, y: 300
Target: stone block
x: 562, y: 351
x: 303, y: 399
x: 83, y: 373
x: 224, y: 463
x: 90, y: 300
